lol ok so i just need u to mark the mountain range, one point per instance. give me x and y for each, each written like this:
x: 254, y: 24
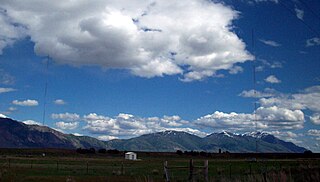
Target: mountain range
x: 14, y: 134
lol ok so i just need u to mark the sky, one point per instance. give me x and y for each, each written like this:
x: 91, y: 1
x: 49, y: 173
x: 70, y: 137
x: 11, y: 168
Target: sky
x: 120, y: 69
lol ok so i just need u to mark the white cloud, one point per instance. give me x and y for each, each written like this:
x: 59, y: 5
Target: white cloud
x: 236, y: 70
x: 307, y: 99
x: 59, y: 102
x: 107, y: 137
x: 27, y: 102
x: 257, y: 94
x: 299, y: 13
x: 3, y: 116
x: 67, y: 125
x: 265, y: 118
x: 127, y: 125
x: 10, y: 31
x: 315, y: 118
x: 282, y: 118
x: 264, y: 63
x: 251, y: 2
x: 77, y: 134
x: 192, y: 37
x: 314, y: 132
x: 286, y: 136
x: 11, y: 109
x: 32, y: 122
x: 259, y: 1
x: 270, y: 43
x: 66, y: 116
x: 272, y: 79
x: 313, y: 42
x: 4, y: 90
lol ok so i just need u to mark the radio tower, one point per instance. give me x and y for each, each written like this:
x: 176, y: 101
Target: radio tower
x: 254, y: 89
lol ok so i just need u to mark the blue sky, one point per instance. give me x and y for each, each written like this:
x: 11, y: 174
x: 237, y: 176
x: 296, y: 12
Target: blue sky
x: 122, y: 69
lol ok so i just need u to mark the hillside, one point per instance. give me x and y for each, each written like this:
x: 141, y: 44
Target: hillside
x: 177, y: 140
x: 14, y: 134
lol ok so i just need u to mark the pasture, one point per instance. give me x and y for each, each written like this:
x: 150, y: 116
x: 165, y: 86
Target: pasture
x: 67, y: 165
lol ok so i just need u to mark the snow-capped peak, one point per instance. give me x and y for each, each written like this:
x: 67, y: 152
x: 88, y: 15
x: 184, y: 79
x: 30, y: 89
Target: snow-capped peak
x: 228, y: 134
x: 256, y: 134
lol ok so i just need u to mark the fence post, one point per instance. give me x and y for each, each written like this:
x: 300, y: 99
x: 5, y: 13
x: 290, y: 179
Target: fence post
x: 122, y: 170
x: 87, y: 167
x: 191, y: 170
x: 9, y: 163
x: 165, y: 168
x: 206, y: 178
x: 250, y: 169
x: 230, y: 170
x: 57, y: 165
x: 31, y: 164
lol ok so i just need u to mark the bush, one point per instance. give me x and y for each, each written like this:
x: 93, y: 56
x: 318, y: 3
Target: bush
x: 113, y: 151
x: 102, y: 151
x: 86, y: 151
x: 179, y: 152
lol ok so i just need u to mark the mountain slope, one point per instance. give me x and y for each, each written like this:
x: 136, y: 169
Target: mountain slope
x: 174, y: 140
x: 249, y: 142
x: 270, y: 139
x: 14, y: 134
x: 160, y: 142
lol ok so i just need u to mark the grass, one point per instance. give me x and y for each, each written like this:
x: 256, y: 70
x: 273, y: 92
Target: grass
x: 32, y: 168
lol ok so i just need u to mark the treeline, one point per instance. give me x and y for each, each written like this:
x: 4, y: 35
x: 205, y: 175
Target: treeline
x: 197, y: 153
x: 94, y: 151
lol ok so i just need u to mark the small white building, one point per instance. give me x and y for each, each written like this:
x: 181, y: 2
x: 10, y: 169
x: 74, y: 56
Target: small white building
x: 130, y: 156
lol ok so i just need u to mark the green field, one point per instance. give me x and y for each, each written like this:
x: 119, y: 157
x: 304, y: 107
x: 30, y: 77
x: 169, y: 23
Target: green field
x: 68, y: 166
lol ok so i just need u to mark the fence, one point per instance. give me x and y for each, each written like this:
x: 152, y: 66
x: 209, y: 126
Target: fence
x: 192, y: 171
x: 151, y: 169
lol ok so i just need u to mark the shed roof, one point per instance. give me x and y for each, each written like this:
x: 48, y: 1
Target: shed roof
x: 130, y: 153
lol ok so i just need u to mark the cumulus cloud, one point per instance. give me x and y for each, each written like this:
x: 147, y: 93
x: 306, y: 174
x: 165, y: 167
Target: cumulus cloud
x: 27, y: 102
x: 59, y: 102
x: 127, y: 125
x: 66, y: 116
x: 315, y: 118
x: 106, y: 137
x: 272, y: 79
x: 307, y: 99
x: 299, y: 13
x: 257, y: 94
x: 270, y: 43
x: 264, y: 118
x: 4, y: 90
x: 286, y: 136
x: 31, y: 122
x: 313, y: 42
x: 236, y: 70
x: 67, y: 125
x: 10, y: 30
x: 193, y: 38
x: 314, y: 132
x: 282, y: 118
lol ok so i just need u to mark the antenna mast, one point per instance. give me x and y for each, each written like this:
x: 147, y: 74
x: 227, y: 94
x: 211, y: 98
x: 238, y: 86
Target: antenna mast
x: 254, y: 89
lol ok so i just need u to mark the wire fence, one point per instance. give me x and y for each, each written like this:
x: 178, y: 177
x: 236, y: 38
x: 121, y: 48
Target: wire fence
x: 155, y: 169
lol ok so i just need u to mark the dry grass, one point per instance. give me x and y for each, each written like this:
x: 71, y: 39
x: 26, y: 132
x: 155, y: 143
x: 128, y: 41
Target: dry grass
x: 74, y: 169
